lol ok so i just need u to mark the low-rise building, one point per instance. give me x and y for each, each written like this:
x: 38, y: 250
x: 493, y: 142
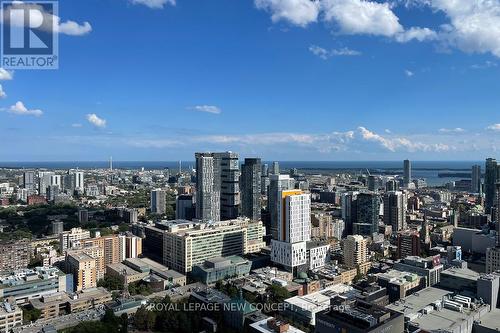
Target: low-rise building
x: 124, y: 273
x: 215, y: 269
x: 27, y: 284
x: 11, y: 315
x: 355, y: 316
x: 434, y: 309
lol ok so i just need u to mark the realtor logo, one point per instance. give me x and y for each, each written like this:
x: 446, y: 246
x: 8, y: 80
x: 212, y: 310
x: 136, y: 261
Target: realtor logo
x: 29, y: 35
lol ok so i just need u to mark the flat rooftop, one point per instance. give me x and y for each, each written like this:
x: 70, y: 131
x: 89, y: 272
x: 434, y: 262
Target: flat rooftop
x: 491, y: 320
x: 444, y: 319
x: 463, y: 273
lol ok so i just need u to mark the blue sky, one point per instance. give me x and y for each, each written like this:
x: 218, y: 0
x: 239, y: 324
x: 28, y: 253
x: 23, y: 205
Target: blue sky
x: 280, y: 79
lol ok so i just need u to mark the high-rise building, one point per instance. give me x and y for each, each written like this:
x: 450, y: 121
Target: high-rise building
x: 368, y: 208
x: 355, y: 251
x: 57, y: 227
x: 391, y: 185
x: 184, y: 208
x: 395, y: 210
x: 408, y: 244
x: 490, y: 179
x: 294, y: 231
x: 207, y: 189
x: 229, y: 185
x: 372, y: 183
x: 349, y: 210
x: 68, y: 239
x: 476, y: 179
x: 29, y: 180
x: 264, y: 183
x: 44, y: 180
x: 250, y: 188
x: 14, y: 255
x: 83, y: 268
x: 406, y: 173
x: 158, y: 202
x: 275, y: 170
x: 277, y: 184
x: 217, y: 186
x: 79, y: 181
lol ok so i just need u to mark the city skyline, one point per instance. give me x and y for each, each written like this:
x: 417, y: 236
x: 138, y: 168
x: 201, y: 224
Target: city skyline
x: 281, y: 80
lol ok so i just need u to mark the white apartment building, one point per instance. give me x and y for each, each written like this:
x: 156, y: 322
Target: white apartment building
x: 294, y: 230
x: 68, y: 238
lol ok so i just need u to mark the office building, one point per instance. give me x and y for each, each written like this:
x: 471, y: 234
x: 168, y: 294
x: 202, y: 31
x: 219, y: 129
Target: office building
x: 430, y: 268
x: 158, y: 202
x: 406, y: 173
x: 184, y: 244
x: 476, y: 179
x: 395, y: 210
x: 294, y: 231
x: 368, y: 208
x: 23, y: 285
x: 184, y: 207
x: 14, y: 255
x: 349, y: 210
x: 490, y: 179
x: 216, y: 269
x: 355, y: 251
x: 250, y: 188
x: 277, y: 184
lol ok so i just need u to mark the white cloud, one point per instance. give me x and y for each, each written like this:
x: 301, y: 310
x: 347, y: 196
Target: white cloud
x: 345, y: 52
x: 21, y: 110
x: 325, y: 54
x: 207, y: 108
x: 2, y: 92
x: 474, y: 25
x: 5, y: 75
x: 487, y: 64
x: 319, y: 51
x: 362, y: 17
x: 96, y: 121
x: 74, y: 29
x: 452, y: 130
x: 409, y: 73
x: 395, y: 143
x: 76, y: 125
x: 297, y: 12
x: 43, y: 21
x: 494, y: 127
x: 154, y: 4
x: 416, y: 33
